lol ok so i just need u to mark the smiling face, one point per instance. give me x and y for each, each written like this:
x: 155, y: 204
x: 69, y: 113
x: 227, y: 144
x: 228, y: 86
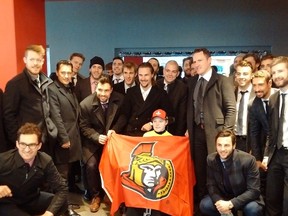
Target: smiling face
x: 64, y: 74
x: 145, y: 76
x: 103, y: 91
x: 243, y: 76
x: 201, y: 62
x: 171, y: 71
x: 33, y: 61
x: 224, y: 147
x: 28, y: 146
x: 129, y: 75
x: 261, y: 87
x: 280, y: 75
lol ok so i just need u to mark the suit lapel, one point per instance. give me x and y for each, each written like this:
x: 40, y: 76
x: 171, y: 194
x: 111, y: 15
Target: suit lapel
x: 98, y: 111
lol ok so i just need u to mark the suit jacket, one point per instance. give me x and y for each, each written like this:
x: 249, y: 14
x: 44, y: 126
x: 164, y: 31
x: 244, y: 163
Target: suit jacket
x: 65, y: 111
x: 258, y: 128
x: 243, y: 176
x: 219, y: 108
x: 119, y: 87
x: 177, y: 93
x: 139, y: 112
x: 24, y: 102
x: 93, y: 121
x: 274, y: 103
x: 83, y: 89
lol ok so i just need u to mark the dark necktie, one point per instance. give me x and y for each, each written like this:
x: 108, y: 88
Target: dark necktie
x: 105, y: 107
x: 266, y: 102
x: 227, y: 184
x: 199, y: 117
x: 281, y: 121
x: 240, y: 114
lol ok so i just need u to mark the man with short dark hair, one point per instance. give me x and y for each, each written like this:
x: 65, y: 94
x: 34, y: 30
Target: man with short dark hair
x: 117, y: 69
x: 253, y: 59
x: 100, y: 116
x: 233, y: 180
x: 22, y: 173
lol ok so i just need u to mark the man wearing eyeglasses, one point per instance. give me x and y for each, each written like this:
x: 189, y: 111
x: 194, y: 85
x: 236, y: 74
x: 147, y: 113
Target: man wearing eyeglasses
x: 23, y: 171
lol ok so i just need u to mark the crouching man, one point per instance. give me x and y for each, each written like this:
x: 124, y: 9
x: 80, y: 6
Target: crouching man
x: 23, y: 171
x: 233, y: 180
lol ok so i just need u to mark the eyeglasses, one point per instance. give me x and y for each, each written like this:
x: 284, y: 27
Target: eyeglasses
x: 30, y: 146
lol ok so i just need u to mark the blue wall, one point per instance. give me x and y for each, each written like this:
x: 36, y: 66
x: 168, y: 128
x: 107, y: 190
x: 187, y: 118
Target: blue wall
x: 97, y: 27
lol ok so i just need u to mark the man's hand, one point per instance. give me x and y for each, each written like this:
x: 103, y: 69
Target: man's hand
x: 224, y: 207
x: 66, y: 145
x: 187, y: 133
x: 5, y: 191
x: 146, y: 127
x: 47, y: 213
x: 110, y: 132
x: 261, y: 165
x: 103, y: 139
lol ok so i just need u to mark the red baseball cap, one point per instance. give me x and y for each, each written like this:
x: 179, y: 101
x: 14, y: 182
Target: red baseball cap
x: 159, y: 113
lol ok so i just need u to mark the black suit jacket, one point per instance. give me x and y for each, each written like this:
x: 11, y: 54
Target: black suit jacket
x: 177, y: 93
x: 83, y: 89
x: 119, y: 87
x: 219, y: 108
x: 139, y: 112
x: 24, y: 102
x: 93, y: 121
x: 274, y: 103
x: 65, y: 111
x: 243, y: 175
x: 258, y: 128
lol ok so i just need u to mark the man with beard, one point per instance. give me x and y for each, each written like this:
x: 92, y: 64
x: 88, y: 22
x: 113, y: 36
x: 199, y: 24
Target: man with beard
x: 232, y: 180
x: 141, y: 101
x: 26, y: 96
x: 100, y: 116
x: 276, y: 152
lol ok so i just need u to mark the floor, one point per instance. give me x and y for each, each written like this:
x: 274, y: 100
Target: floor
x: 84, y: 206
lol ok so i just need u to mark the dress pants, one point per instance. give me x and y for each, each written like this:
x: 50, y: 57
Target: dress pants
x: 277, y: 184
x: 35, y: 207
x: 92, y: 179
x: 141, y: 212
x: 207, y: 207
x: 199, y: 149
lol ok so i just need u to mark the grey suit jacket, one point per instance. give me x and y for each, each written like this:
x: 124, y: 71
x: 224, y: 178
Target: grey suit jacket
x: 219, y: 108
x: 65, y: 112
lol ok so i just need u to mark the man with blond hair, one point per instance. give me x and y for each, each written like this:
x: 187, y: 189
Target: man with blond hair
x: 26, y: 97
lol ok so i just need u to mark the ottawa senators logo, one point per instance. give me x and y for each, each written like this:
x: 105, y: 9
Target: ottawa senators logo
x: 148, y: 175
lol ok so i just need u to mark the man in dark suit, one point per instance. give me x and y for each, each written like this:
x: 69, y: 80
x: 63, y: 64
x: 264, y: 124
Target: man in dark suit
x: 276, y: 153
x: 129, y: 74
x: 87, y: 86
x: 244, y: 96
x: 177, y: 92
x: 207, y: 113
x: 258, y: 120
x: 142, y: 100
x: 65, y: 111
x: 100, y: 116
x: 77, y: 60
x: 25, y: 98
x: 232, y: 180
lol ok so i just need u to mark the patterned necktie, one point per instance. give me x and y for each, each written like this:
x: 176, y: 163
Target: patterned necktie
x: 104, y: 107
x: 199, y: 118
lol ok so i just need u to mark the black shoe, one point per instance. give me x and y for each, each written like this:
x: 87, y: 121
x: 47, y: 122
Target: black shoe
x: 87, y: 197
x: 71, y: 212
x: 75, y: 189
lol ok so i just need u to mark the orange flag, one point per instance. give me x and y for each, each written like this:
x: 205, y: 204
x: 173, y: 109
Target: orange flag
x: 149, y: 172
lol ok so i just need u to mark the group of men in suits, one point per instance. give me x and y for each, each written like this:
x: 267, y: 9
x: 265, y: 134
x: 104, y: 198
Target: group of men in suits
x: 212, y: 103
